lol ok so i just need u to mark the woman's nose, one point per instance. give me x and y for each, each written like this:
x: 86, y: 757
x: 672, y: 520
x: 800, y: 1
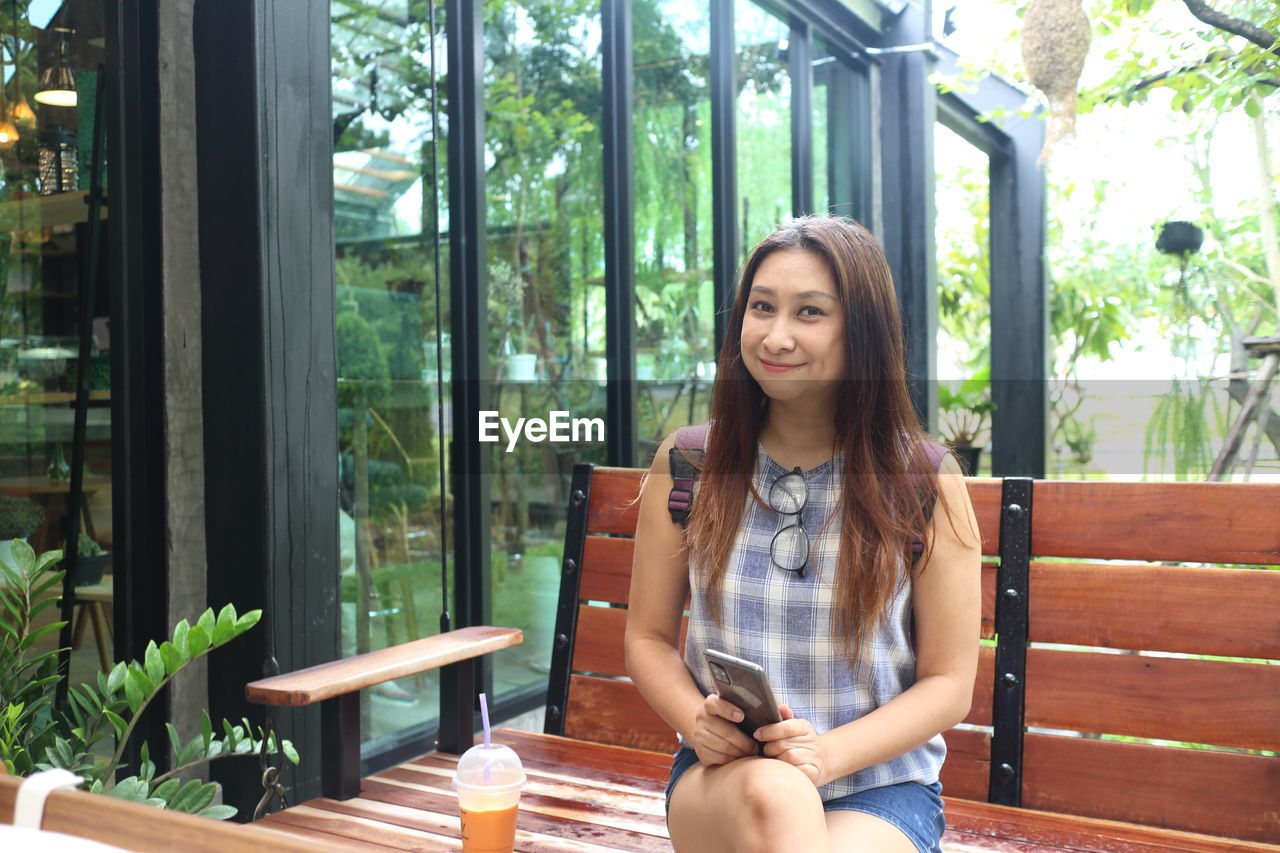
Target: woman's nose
x: 779, y: 337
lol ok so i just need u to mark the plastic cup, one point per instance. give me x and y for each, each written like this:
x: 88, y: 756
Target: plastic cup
x: 489, y: 780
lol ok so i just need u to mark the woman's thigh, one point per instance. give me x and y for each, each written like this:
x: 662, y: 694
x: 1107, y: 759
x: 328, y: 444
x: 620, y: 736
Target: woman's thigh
x: 748, y: 804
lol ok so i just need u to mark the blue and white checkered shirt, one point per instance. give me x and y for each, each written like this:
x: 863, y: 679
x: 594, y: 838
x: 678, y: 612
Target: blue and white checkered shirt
x: 784, y: 623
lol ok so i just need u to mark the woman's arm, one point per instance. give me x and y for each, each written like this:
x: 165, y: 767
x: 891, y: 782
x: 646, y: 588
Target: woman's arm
x: 659, y: 588
x: 947, y: 602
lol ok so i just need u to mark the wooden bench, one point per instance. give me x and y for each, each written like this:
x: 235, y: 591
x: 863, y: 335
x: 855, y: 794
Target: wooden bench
x: 1045, y: 759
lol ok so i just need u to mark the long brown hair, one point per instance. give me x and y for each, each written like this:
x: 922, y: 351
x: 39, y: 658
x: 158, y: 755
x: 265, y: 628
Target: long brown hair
x: 888, y: 486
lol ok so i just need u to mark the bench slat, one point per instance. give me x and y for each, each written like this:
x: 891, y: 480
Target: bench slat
x: 984, y: 494
x: 1026, y: 829
x: 1197, y: 701
x: 599, y: 646
x: 607, y: 711
x: 967, y: 770
x: 1196, y: 522
x: 606, y: 569
x: 613, y: 507
x: 1157, y: 608
x: 1219, y: 793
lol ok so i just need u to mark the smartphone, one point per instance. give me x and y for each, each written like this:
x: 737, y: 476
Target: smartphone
x: 744, y: 684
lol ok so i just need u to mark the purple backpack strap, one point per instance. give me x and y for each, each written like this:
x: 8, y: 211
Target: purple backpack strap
x: 935, y: 453
x: 691, y: 440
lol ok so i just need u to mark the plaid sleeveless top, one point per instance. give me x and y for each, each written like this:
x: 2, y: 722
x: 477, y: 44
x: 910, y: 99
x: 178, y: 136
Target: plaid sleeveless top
x: 784, y: 623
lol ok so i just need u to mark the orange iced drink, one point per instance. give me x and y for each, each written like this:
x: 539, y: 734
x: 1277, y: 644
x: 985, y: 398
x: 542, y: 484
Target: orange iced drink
x: 492, y: 831
x: 489, y: 780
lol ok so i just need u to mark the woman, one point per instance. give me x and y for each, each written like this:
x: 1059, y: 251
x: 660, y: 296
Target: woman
x: 816, y: 481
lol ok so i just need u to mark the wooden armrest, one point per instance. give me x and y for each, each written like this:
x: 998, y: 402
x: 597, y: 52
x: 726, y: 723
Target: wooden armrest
x: 339, y: 677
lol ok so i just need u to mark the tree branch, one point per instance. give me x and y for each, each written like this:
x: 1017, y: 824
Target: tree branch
x: 1236, y: 26
x: 1216, y: 56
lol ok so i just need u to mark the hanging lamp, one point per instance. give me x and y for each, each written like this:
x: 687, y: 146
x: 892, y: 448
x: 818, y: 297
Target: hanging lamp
x: 57, y: 82
x: 8, y: 133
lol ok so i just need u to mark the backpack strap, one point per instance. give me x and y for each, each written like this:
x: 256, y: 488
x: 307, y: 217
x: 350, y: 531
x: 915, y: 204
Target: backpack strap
x: 691, y: 442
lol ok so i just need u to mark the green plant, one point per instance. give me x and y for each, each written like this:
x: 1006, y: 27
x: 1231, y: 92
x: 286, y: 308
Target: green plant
x: 19, y: 517
x: 965, y: 407
x: 87, y: 547
x: 36, y: 735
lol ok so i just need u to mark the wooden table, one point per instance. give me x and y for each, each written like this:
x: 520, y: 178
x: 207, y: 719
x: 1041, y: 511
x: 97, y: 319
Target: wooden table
x: 41, y: 487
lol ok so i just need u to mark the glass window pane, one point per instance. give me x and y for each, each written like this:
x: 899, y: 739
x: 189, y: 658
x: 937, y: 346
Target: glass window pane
x: 841, y: 129
x: 763, y: 120
x: 545, y: 232
x: 389, y: 428
x: 675, y: 302
x: 47, y: 147
x: 962, y: 232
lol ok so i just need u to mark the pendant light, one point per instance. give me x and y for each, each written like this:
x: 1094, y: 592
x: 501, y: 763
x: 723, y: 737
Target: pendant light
x: 57, y: 82
x: 8, y: 133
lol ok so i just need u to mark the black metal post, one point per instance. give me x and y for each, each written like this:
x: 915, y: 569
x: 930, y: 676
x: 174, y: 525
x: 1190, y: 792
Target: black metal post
x: 724, y: 158
x: 800, y: 65
x: 907, y: 114
x: 340, y: 759
x: 575, y: 536
x: 470, y: 391
x: 619, y: 233
x: 1013, y: 590
x: 139, y: 551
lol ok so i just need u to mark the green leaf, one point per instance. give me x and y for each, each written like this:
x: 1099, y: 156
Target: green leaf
x: 248, y: 620
x: 133, y: 692
x: 154, y: 663
x: 1253, y: 108
x: 116, y: 679
x: 132, y: 789
x: 172, y: 657
x: 290, y: 752
x: 224, y: 629
x: 138, y: 674
x: 180, y: 634
x: 197, y: 641
x: 207, y: 621
x: 117, y: 722
x: 166, y: 789
x: 218, y: 812
x: 206, y: 729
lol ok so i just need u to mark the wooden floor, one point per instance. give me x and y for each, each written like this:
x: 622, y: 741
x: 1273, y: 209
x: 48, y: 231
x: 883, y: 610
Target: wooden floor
x: 583, y: 797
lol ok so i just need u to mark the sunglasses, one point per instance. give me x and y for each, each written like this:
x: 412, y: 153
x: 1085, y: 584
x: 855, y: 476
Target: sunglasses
x: 789, y: 549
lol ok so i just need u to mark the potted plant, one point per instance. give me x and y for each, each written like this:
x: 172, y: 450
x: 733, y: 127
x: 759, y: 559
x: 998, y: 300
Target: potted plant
x: 91, y: 562
x: 966, y: 407
x: 89, y: 735
x: 19, y: 519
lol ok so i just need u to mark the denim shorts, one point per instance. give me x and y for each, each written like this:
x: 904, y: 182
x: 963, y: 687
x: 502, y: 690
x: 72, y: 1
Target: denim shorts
x: 913, y: 807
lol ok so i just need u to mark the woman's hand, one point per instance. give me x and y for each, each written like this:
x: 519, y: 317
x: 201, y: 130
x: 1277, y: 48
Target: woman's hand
x: 794, y: 741
x: 716, y: 736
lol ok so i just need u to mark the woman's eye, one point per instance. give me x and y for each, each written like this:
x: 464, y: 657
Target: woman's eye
x: 811, y: 311
x: 762, y: 306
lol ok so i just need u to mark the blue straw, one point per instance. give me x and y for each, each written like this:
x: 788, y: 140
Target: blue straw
x: 484, y: 716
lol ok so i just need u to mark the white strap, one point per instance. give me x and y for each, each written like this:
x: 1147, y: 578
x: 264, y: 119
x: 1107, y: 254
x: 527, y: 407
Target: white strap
x: 28, y: 808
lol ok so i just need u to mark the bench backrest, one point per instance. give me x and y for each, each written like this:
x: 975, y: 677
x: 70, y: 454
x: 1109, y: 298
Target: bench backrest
x: 1068, y: 729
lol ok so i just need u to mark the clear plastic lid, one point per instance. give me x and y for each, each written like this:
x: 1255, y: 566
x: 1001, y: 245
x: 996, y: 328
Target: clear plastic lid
x: 493, y: 768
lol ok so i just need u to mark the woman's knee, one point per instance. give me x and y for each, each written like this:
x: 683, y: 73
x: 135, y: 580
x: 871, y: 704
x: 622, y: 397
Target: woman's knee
x: 775, y: 796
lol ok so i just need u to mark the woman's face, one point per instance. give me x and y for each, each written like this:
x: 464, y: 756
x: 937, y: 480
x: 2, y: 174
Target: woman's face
x: 793, y: 331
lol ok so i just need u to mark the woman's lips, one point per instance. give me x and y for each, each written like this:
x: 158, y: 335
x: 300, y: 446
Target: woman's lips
x: 774, y: 367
